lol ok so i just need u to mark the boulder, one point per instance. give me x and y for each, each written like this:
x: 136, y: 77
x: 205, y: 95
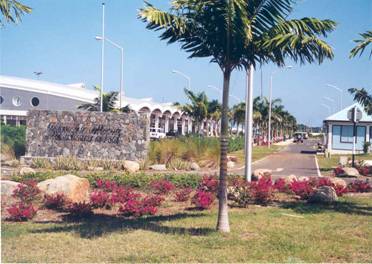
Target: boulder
x: 158, y: 167
x: 230, y: 164
x: 7, y: 187
x: 343, y: 161
x: 74, y: 188
x: 353, y: 172
x: 338, y: 181
x: 367, y: 163
x: 26, y: 170
x: 290, y: 178
x: 258, y: 173
x: 324, y: 194
x: 303, y: 178
x: 194, y: 166
x: 232, y: 158
x: 131, y: 166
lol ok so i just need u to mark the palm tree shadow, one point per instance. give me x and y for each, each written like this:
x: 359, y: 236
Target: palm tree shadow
x: 346, y: 207
x: 100, y: 224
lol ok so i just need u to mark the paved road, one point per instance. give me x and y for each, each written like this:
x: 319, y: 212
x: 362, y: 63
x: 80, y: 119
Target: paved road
x: 297, y: 159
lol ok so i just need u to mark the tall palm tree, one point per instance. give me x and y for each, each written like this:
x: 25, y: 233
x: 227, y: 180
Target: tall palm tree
x: 238, y: 34
x: 12, y: 11
x: 238, y: 114
x: 108, y: 103
x: 361, y: 96
x: 362, y: 44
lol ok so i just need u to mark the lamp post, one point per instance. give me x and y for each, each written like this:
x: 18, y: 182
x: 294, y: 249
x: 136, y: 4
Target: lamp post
x: 121, y: 65
x: 184, y: 76
x: 102, y: 56
x: 270, y: 105
x: 341, y: 93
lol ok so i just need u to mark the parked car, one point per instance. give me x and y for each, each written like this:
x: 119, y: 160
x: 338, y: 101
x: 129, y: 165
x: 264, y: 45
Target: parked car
x: 298, y: 138
x: 171, y: 134
x: 156, y: 133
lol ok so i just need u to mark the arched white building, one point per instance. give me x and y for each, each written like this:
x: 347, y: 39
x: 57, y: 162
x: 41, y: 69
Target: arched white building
x: 18, y: 95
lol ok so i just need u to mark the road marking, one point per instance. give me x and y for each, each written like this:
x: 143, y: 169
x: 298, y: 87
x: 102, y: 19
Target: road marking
x: 317, y: 166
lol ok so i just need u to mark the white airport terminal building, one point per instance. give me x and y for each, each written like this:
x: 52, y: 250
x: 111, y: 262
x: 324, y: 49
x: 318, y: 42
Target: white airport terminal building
x: 19, y: 95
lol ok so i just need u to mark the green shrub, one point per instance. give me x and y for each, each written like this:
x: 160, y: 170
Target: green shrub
x: 236, y: 143
x: 14, y: 137
x: 67, y: 163
x: 41, y: 163
x: 37, y: 176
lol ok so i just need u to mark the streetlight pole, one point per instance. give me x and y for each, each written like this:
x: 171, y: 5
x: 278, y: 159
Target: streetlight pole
x: 220, y: 90
x: 102, y: 56
x: 121, y: 65
x: 184, y: 76
x: 341, y: 93
x: 270, y: 105
x: 248, y: 131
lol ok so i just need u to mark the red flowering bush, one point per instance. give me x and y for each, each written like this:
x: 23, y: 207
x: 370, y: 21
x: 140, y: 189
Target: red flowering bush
x: 364, y: 170
x: 281, y: 185
x: 202, y: 199
x: 81, y: 209
x: 27, y: 191
x: 100, y: 199
x: 340, y: 190
x: 302, y: 188
x: 162, y: 186
x: 139, y: 207
x: 262, y: 190
x: 239, y: 192
x: 339, y: 171
x: 54, y: 201
x: 106, y: 185
x: 21, y: 211
x: 208, y: 184
x: 182, y: 195
x: 123, y: 194
x: 359, y: 186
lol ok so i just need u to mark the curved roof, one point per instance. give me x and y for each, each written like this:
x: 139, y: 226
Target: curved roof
x: 79, y: 92
x: 342, y: 115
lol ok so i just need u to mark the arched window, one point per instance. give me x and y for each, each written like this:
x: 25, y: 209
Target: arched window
x: 1, y: 99
x: 16, y: 101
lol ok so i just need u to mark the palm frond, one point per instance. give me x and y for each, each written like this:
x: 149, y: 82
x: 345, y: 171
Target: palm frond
x: 362, y: 44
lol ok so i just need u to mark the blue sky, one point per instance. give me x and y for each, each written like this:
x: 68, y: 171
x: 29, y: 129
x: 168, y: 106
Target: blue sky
x: 58, y: 39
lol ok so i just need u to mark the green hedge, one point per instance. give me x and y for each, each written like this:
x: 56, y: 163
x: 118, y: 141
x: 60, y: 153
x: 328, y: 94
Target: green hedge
x: 15, y: 138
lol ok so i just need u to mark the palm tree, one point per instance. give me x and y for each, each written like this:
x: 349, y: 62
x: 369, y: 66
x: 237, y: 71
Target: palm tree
x: 362, y: 44
x: 12, y: 10
x: 197, y: 108
x: 362, y: 97
x: 108, y: 103
x: 238, y: 111
x: 238, y: 34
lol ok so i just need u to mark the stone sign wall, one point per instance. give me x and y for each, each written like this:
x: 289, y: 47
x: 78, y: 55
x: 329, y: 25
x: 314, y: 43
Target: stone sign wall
x: 87, y: 135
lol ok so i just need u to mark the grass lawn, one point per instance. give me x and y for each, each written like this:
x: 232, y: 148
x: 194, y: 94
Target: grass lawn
x: 259, y: 152
x: 286, y: 233
x: 326, y: 165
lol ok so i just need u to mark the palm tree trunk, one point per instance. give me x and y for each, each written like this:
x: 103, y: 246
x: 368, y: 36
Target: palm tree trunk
x: 223, y: 217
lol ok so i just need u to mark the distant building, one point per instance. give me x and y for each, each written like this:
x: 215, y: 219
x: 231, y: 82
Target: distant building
x: 339, y: 131
x: 18, y: 95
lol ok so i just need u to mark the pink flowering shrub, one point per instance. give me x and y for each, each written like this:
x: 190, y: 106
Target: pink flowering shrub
x: 21, y: 211
x: 162, y: 186
x: 182, y: 195
x: 100, y: 199
x: 123, y: 194
x: 139, y: 207
x: 54, y: 201
x: 203, y: 200
x: 80, y: 209
x: 262, y: 190
x: 302, y: 188
x: 339, y: 171
x: 364, y: 170
x: 208, y: 184
x: 359, y: 186
x: 106, y: 185
x: 281, y: 185
x: 27, y: 191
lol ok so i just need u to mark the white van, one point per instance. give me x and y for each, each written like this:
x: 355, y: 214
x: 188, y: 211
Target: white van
x: 156, y: 133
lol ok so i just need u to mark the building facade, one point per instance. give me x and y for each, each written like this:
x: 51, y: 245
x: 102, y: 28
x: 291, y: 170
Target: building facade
x: 340, y: 134
x: 18, y: 96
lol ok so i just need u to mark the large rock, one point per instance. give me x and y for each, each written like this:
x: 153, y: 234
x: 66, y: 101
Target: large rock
x: 324, y: 194
x: 131, y: 166
x: 194, y: 166
x: 338, y: 181
x: 303, y: 178
x: 343, y: 161
x: 26, y: 170
x: 8, y: 187
x: 367, y: 163
x: 158, y: 167
x: 230, y: 164
x: 289, y: 179
x: 232, y: 158
x: 259, y: 173
x: 353, y: 172
x: 74, y: 188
